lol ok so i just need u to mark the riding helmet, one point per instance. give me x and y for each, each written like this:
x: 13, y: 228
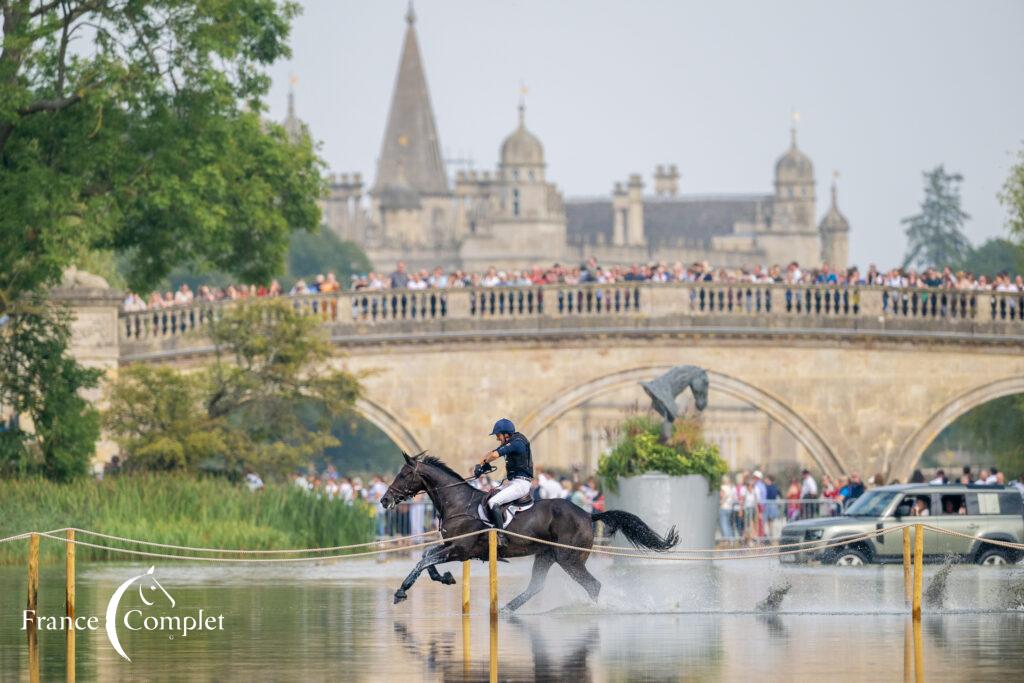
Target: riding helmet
x: 503, y: 426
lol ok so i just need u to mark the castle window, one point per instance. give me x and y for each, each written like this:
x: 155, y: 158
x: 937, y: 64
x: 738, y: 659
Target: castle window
x: 515, y: 202
x: 515, y: 174
x: 531, y: 176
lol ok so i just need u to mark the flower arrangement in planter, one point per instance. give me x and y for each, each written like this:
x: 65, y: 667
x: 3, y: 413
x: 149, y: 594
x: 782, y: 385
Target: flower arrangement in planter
x: 641, y: 449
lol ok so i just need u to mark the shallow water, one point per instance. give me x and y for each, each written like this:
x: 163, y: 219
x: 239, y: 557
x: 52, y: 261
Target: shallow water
x: 654, y: 621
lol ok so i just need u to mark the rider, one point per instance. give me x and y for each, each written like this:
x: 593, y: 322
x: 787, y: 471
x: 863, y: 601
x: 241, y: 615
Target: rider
x: 515, y: 448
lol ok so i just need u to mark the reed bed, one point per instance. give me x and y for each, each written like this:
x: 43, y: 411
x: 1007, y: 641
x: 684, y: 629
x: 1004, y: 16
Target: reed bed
x: 176, y: 509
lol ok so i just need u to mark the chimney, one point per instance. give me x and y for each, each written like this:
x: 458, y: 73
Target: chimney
x: 666, y: 181
x: 635, y: 213
x: 620, y: 206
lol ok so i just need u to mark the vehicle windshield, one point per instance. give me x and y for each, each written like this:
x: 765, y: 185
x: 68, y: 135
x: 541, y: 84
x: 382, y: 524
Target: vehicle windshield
x: 871, y: 504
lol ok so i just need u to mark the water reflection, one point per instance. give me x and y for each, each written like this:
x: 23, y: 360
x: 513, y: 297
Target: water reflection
x: 312, y: 626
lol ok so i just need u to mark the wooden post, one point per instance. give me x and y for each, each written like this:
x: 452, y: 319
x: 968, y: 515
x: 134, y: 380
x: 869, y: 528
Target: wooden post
x: 69, y: 661
x: 907, y: 588
x: 494, y: 648
x: 918, y: 653
x: 33, y: 572
x: 918, y: 569
x: 69, y: 574
x: 907, y: 653
x: 465, y: 586
x: 492, y: 561
x: 465, y: 645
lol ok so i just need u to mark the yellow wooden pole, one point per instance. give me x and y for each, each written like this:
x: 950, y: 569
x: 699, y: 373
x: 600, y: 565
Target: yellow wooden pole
x: 918, y: 569
x: 907, y: 589
x: 492, y: 562
x: 907, y: 653
x: 465, y: 586
x: 69, y: 574
x: 918, y: 653
x: 465, y: 645
x: 33, y: 572
x: 494, y: 648
x: 69, y: 661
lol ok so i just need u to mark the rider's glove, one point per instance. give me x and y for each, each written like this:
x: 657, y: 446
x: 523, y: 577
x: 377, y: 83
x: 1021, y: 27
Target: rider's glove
x: 479, y: 469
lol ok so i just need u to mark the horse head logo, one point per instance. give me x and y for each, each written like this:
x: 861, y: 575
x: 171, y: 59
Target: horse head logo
x: 146, y: 580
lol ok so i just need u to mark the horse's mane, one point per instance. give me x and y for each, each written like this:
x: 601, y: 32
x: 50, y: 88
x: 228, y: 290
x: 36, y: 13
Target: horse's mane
x: 438, y: 463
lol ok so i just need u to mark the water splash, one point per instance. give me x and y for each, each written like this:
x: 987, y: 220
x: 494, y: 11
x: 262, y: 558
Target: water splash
x: 1016, y: 592
x: 935, y: 594
x: 775, y: 596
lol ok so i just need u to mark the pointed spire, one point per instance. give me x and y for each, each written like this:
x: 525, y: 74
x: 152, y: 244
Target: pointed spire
x: 794, y: 117
x: 522, y: 104
x: 292, y: 125
x: 835, y: 202
x: 410, y: 139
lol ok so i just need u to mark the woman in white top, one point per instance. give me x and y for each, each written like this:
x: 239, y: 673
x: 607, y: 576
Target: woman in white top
x: 726, y: 508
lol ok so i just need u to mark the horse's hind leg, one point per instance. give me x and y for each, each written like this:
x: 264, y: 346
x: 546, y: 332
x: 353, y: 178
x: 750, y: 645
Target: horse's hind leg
x: 446, y: 578
x: 575, y: 565
x: 541, y: 564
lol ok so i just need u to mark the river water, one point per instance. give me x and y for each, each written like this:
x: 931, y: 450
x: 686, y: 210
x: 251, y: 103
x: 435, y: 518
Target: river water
x: 654, y: 621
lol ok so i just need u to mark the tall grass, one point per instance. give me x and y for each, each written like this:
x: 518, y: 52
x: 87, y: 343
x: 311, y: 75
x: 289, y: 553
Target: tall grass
x: 176, y: 509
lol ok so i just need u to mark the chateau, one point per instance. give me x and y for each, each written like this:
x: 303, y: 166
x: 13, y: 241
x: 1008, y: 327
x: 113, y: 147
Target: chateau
x: 516, y: 217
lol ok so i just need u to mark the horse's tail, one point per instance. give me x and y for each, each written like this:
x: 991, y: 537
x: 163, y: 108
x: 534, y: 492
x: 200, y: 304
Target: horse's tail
x: 635, y: 530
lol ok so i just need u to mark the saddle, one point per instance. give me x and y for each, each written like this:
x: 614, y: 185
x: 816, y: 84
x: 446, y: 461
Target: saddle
x: 509, y: 510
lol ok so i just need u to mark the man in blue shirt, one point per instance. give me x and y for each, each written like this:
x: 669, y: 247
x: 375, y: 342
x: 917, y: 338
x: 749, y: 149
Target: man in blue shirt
x: 515, y: 448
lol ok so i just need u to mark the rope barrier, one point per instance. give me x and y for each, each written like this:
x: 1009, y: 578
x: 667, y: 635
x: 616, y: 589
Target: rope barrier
x: 709, y: 554
x: 250, y: 552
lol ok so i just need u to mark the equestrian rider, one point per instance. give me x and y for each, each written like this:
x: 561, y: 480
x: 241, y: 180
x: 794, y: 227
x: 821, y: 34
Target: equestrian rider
x: 515, y: 448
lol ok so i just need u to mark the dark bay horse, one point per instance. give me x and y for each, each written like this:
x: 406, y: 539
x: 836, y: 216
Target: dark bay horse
x: 555, y: 520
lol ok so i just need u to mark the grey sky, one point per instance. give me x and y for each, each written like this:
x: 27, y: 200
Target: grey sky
x: 884, y: 90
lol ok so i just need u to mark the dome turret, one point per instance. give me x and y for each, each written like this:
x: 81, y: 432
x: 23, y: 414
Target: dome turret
x: 794, y: 165
x: 521, y: 147
x: 834, y: 221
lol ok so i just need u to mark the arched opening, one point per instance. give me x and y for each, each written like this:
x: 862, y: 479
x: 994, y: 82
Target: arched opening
x: 745, y: 414
x: 981, y: 427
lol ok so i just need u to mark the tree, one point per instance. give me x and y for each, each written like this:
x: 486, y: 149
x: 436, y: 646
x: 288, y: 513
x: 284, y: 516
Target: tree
x: 991, y: 257
x: 935, y: 235
x: 266, y: 402
x: 135, y: 126
x: 1012, y: 197
x: 313, y: 253
x: 39, y: 381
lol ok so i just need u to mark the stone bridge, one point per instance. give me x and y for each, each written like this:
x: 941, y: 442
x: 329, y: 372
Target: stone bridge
x: 863, y: 378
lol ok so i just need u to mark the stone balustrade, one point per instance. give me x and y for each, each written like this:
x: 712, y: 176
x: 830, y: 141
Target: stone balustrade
x: 773, y: 305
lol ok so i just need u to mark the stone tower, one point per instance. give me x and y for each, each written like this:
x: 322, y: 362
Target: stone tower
x: 792, y: 235
x: 411, y: 194
x: 835, y: 235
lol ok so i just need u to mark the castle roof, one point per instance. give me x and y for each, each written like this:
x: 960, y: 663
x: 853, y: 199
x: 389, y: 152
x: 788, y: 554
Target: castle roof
x: 794, y: 164
x: 691, y: 220
x: 834, y: 221
x: 411, y: 146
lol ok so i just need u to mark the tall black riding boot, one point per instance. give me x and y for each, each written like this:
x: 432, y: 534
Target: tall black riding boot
x: 497, y: 519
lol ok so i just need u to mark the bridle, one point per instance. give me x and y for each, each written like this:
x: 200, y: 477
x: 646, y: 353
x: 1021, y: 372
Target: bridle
x: 404, y: 494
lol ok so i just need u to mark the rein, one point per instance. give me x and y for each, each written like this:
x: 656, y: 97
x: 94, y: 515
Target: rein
x: 406, y: 495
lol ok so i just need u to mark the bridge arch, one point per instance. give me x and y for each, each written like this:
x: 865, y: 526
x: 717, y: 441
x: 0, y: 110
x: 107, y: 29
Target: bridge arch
x: 915, y: 446
x: 540, y: 419
x: 389, y: 424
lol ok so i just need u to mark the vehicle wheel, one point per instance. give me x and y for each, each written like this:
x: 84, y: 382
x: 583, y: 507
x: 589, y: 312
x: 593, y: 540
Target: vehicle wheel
x: 848, y: 557
x: 994, y: 557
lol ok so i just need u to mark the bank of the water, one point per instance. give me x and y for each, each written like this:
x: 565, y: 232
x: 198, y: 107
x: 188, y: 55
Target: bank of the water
x: 176, y: 509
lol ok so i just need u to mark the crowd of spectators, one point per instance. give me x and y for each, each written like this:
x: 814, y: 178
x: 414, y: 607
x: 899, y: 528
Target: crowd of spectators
x: 592, y: 272
x: 754, y: 508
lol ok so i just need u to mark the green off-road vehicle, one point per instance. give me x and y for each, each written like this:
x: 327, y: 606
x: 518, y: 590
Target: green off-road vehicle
x: 978, y: 511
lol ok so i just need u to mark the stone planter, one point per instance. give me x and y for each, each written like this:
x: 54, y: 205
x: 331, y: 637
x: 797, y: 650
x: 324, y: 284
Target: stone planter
x: 662, y: 501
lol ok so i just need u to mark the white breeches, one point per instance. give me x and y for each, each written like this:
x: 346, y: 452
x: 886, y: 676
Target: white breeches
x: 516, y: 488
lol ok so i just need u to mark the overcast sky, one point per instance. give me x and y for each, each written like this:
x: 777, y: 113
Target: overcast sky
x: 884, y: 90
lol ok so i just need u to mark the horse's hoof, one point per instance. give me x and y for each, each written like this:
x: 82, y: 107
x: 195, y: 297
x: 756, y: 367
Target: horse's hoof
x: 448, y: 579
x: 400, y: 595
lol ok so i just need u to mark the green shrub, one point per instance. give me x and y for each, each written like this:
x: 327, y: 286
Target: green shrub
x: 640, y: 450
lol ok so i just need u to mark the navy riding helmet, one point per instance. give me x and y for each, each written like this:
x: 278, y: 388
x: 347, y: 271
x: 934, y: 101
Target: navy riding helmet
x: 503, y: 426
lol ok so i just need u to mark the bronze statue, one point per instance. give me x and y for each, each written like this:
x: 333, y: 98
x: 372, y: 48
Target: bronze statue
x: 663, y: 391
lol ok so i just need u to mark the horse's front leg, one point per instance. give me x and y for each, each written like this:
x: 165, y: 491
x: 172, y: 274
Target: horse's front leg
x: 447, y: 578
x: 435, y: 555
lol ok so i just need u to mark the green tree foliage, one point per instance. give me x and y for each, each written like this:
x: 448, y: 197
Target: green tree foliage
x: 320, y: 252
x: 994, y: 432
x: 266, y: 402
x: 135, y: 126
x: 641, y: 450
x: 991, y: 257
x: 1012, y: 197
x: 40, y: 382
x: 935, y: 235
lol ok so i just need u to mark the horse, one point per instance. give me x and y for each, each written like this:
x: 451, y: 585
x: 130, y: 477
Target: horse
x: 556, y: 520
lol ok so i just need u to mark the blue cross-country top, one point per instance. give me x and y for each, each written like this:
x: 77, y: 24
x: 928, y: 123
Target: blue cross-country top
x: 518, y: 459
